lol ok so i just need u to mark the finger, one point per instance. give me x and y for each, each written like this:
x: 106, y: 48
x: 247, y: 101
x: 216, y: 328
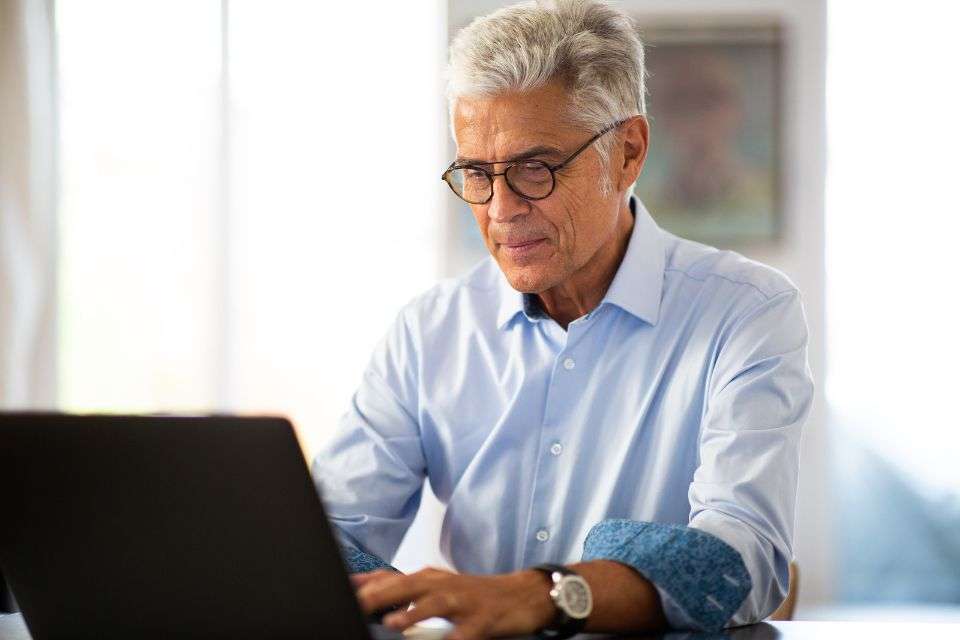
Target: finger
x: 434, y: 605
x: 360, y: 579
x: 473, y: 628
x: 367, y: 591
x: 390, y: 591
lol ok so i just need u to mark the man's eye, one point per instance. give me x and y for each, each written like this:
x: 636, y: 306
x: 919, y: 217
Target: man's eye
x: 474, y: 174
x: 532, y: 171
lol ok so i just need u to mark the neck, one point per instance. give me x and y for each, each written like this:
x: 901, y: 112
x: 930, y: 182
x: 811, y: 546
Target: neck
x: 582, y: 292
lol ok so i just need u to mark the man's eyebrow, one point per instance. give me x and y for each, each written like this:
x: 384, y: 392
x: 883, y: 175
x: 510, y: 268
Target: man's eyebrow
x: 541, y: 150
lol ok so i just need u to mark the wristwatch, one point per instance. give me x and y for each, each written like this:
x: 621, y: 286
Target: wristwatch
x: 572, y: 597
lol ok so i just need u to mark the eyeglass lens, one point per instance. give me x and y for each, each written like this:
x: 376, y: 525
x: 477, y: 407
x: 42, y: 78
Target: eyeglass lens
x: 532, y: 179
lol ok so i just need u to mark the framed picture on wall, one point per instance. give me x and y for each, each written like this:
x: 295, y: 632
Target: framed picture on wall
x: 713, y: 170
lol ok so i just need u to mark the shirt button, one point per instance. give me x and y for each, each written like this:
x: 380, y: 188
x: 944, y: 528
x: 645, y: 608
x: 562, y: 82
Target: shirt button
x: 556, y: 448
x: 543, y: 535
x: 569, y: 364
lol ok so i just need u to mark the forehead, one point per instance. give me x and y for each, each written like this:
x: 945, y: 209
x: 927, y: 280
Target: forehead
x: 499, y: 127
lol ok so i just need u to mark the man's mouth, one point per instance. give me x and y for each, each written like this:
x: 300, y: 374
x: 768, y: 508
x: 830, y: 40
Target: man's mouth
x: 522, y: 248
x: 524, y: 243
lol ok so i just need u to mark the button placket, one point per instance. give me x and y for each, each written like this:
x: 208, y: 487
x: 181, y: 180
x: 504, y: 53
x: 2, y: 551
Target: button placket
x: 560, y: 407
x: 561, y: 400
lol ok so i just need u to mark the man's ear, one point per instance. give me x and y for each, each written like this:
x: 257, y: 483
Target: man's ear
x: 636, y: 141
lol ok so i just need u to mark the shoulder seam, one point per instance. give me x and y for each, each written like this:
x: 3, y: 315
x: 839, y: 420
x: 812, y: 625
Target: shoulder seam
x: 767, y: 296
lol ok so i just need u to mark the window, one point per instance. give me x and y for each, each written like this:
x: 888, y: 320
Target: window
x: 139, y: 89
x: 891, y: 227
x: 224, y: 244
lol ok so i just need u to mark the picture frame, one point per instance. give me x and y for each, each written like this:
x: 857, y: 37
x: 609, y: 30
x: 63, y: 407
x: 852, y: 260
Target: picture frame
x: 713, y: 172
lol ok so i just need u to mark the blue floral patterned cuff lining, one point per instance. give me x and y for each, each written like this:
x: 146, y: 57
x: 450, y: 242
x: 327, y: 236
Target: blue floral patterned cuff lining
x: 704, y: 576
x: 358, y: 561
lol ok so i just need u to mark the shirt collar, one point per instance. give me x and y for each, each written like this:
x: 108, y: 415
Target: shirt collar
x: 513, y: 302
x: 636, y: 288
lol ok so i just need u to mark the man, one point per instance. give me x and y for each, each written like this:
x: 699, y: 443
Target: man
x: 599, y: 396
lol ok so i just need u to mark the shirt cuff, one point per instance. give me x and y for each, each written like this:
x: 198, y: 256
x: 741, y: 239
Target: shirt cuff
x: 359, y: 561
x: 703, y: 578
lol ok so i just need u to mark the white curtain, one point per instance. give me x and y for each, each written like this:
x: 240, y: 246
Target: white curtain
x: 28, y: 199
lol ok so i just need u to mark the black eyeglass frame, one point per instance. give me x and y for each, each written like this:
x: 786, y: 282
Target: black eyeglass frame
x: 512, y: 163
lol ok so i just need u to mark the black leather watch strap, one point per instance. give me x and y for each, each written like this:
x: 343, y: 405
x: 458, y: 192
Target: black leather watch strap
x: 563, y: 625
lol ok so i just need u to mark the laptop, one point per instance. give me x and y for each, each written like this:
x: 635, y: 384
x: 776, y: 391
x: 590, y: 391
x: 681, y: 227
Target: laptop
x: 168, y: 527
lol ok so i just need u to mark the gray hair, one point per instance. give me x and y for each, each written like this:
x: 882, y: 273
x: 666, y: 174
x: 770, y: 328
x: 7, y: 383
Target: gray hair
x: 593, y: 48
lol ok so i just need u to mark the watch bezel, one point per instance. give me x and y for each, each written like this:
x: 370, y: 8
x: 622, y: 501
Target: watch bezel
x: 561, y: 589
x: 564, y: 624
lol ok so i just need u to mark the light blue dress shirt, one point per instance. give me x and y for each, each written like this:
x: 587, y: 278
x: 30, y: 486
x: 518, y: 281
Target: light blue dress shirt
x: 661, y: 430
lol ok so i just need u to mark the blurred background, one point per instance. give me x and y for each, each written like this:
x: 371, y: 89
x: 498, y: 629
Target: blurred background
x: 220, y: 205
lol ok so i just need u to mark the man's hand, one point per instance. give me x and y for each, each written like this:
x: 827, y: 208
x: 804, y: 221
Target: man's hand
x: 479, y: 606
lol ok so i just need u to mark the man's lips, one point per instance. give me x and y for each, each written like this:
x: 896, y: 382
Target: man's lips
x: 521, y: 243
x: 522, y: 250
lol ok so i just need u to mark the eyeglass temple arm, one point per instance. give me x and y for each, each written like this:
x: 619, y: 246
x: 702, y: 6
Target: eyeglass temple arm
x: 588, y: 143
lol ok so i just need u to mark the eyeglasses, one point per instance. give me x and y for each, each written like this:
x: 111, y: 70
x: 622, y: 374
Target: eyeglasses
x: 530, y: 179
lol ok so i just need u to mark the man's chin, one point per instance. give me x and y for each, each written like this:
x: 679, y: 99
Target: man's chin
x: 530, y: 278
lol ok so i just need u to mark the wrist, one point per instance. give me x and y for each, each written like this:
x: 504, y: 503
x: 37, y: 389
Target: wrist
x: 535, y: 588
x: 572, y: 599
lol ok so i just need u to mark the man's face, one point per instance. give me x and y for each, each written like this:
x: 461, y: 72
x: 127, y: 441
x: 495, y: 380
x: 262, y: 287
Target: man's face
x: 538, y: 244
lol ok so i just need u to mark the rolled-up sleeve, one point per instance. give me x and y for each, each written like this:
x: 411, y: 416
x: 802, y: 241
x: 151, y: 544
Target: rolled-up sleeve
x: 701, y: 580
x: 371, y: 474
x: 729, y: 566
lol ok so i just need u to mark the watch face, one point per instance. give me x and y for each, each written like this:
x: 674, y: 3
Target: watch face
x: 575, y: 598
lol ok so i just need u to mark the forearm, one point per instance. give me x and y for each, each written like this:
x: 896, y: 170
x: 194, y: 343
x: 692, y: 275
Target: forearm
x: 623, y: 600
x: 510, y: 604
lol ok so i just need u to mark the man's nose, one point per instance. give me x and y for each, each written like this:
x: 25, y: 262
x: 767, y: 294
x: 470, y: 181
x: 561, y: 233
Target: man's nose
x: 505, y: 204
